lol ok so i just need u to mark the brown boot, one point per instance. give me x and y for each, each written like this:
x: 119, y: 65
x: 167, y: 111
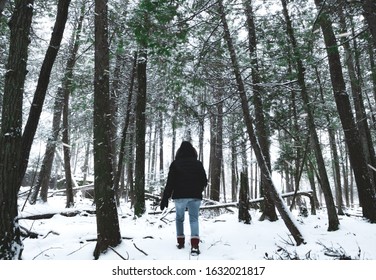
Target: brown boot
x: 181, y: 240
x: 194, y: 246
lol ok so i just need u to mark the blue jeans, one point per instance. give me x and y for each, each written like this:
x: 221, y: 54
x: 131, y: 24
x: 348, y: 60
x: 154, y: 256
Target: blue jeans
x: 193, y: 205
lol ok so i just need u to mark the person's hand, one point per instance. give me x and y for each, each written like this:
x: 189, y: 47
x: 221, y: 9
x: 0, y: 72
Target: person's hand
x: 164, y: 202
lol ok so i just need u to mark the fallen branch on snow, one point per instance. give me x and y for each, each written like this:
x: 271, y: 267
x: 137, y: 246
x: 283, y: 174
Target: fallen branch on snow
x: 140, y: 249
x: 28, y: 233
x: 50, y: 215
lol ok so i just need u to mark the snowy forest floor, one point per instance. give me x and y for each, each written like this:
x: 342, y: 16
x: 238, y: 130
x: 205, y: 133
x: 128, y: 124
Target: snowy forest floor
x: 223, y: 237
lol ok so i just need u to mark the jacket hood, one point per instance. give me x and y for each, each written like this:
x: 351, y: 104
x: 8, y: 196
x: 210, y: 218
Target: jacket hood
x: 186, y: 150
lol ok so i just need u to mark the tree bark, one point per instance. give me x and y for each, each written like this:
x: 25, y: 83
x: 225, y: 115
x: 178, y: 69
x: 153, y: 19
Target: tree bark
x: 283, y: 210
x: 139, y: 187
x: 244, y: 215
x: 107, y: 217
x: 11, y: 246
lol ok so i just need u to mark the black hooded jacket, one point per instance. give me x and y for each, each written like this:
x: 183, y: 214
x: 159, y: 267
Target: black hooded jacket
x: 187, y: 176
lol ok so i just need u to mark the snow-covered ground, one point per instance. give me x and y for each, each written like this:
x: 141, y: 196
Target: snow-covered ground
x: 224, y: 240
x: 223, y: 237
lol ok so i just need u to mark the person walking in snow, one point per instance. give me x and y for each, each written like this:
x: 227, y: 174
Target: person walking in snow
x: 185, y: 183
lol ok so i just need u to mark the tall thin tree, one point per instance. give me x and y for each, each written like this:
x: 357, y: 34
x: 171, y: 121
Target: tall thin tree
x: 261, y: 125
x: 123, y: 141
x: 108, y: 231
x: 139, y: 186
x: 67, y: 88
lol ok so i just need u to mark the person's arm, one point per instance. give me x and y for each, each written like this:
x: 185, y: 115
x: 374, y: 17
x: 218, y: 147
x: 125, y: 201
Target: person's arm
x: 168, y: 189
x: 204, y: 179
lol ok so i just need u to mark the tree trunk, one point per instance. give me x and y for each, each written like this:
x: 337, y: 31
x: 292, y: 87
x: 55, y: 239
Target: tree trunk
x: 211, y: 154
x: 153, y: 152
x: 252, y: 190
x: 85, y: 167
x: 173, y: 127
x: 67, y: 151
x: 357, y: 159
x: 315, y: 143
x: 201, y: 137
x: 139, y: 187
x: 371, y: 53
x: 244, y: 215
x: 108, y: 231
x: 49, y: 155
x: 216, y: 158
x: 345, y: 172
x: 11, y: 246
x: 261, y: 126
x: 123, y: 141
x: 289, y: 182
x: 297, y: 142
x: 67, y: 85
x: 333, y: 149
x: 311, y: 179
x: 279, y: 203
x: 130, y: 163
x: 234, y: 171
x: 114, y: 96
x: 223, y: 175
x: 161, y: 143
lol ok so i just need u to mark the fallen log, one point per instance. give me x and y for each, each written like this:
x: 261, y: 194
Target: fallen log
x: 38, y: 216
x: 217, y: 205
x: 76, y: 188
x: 50, y: 215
